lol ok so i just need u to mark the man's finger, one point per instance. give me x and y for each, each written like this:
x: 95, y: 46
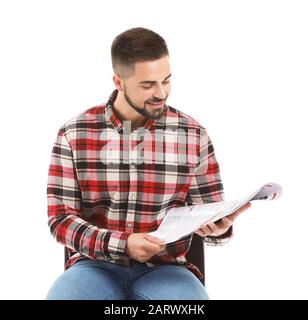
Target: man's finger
x: 235, y: 214
x: 227, y: 222
x: 204, y: 230
x: 153, y: 239
x: 152, y: 248
x: 199, y: 233
x: 213, y: 227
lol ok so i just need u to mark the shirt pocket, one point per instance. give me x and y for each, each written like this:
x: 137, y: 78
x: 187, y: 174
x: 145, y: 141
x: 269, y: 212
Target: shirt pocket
x: 177, y: 182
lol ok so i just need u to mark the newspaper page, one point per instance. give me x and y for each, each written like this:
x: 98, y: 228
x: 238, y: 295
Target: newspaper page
x: 180, y: 222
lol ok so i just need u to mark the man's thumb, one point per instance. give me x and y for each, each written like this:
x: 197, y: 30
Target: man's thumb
x: 153, y: 239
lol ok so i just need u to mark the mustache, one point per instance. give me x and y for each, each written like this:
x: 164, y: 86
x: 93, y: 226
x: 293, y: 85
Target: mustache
x: 158, y: 100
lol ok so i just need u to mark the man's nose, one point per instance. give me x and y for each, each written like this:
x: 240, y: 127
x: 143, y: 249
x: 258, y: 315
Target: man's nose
x: 160, y: 92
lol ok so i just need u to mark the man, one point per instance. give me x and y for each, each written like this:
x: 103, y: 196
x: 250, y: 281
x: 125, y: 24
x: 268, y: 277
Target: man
x: 115, y: 171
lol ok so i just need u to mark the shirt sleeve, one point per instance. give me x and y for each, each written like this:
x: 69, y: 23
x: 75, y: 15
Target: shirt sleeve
x: 65, y: 210
x: 206, y: 184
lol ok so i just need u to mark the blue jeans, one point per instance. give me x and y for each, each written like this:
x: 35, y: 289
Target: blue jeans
x: 99, y: 280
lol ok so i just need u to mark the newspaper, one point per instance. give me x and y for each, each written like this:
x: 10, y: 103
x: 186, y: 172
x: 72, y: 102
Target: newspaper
x: 180, y: 222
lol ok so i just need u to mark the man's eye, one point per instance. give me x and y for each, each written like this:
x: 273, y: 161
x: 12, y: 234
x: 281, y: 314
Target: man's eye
x: 149, y: 87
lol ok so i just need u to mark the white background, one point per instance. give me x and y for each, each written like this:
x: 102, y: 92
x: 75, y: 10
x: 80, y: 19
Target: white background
x: 239, y: 67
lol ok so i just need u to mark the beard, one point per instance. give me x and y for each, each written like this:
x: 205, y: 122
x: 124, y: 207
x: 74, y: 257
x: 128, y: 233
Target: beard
x: 149, y: 114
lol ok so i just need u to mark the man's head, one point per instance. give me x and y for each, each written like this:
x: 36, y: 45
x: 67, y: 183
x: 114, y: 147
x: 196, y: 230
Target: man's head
x: 140, y: 61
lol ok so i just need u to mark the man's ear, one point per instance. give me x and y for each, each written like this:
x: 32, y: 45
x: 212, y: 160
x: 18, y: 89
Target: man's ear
x: 118, y: 82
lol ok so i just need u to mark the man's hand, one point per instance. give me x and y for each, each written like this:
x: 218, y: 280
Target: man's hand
x: 221, y: 226
x: 142, y: 246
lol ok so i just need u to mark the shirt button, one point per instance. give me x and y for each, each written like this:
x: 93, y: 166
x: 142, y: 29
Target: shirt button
x: 133, y: 166
x: 129, y: 225
x: 132, y: 196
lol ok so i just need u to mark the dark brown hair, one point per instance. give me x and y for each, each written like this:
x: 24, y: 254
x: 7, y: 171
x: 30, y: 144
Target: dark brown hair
x: 136, y: 45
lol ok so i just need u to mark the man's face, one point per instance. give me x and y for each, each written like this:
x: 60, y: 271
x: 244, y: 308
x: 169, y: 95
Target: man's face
x: 148, y: 89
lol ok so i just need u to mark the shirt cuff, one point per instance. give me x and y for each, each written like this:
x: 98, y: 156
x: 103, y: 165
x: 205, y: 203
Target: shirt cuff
x: 116, y: 244
x: 219, y: 240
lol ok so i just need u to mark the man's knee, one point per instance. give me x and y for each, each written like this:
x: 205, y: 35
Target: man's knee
x: 85, y: 283
x: 168, y: 282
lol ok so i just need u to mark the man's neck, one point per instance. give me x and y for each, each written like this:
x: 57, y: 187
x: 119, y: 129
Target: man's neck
x: 124, y: 112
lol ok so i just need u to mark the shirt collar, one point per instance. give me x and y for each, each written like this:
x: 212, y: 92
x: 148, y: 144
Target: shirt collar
x: 117, y: 124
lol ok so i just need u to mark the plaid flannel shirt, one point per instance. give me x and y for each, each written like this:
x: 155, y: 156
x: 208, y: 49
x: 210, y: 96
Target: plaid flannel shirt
x: 106, y: 182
